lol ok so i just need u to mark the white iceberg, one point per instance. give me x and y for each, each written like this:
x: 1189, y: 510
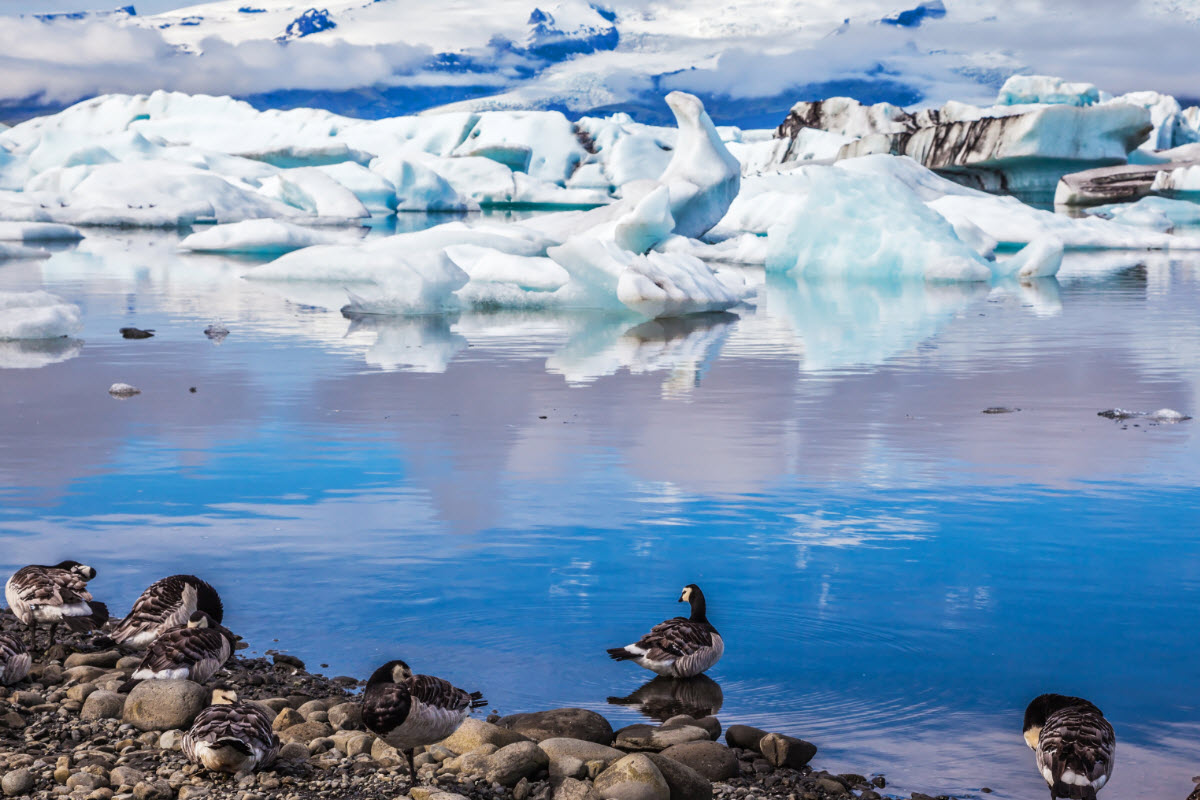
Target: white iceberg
x: 1183, y: 181
x: 312, y: 191
x: 1157, y: 213
x: 417, y: 187
x: 1026, y: 89
x: 37, y: 315
x: 260, y: 236
x: 1041, y: 258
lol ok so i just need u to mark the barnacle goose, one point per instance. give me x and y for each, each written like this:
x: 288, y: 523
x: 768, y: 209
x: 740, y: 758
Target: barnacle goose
x: 14, y: 659
x: 166, y: 604
x: 680, y: 647
x: 231, y: 736
x: 408, y: 710
x: 56, y: 595
x: 194, y: 652
x: 1073, y: 744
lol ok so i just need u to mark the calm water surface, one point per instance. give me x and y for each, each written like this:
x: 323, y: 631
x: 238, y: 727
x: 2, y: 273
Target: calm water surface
x: 497, y: 498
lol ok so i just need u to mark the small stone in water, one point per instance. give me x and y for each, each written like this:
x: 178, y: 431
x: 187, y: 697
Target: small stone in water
x: 123, y: 390
x: 1000, y: 410
x: 136, y: 333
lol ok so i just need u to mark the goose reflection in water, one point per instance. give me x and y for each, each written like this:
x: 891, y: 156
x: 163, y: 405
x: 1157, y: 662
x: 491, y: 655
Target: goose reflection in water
x: 663, y: 698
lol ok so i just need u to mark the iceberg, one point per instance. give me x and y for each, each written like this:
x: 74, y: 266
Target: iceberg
x: 314, y: 192
x: 1180, y: 181
x: 38, y: 232
x: 1157, y: 213
x: 37, y: 315
x: 703, y: 176
x: 259, y: 236
x: 1031, y: 89
x: 417, y: 187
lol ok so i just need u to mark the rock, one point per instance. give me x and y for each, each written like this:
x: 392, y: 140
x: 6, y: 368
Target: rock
x: 571, y: 789
x: 353, y: 743
x: 513, y: 762
x: 713, y: 760
x: 86, y: 781
x: 192, y: 792
x: 744, y: 736
x: 306, y: 710
x: 834, y: 787
x: 85, y: 673
x: 171, y: 740
x: 125, y: 776
x: 19, y: 781
x: 162, y: 705
x: 685, y: 783
x: 634, y: 777
x: 305, y: 732
x: 710, y: 724
x: 129, y: 662
x: 156, y: 790
x: 286, y: 719
x: 276, y: 704
x: 574, y: 723
x: 561, y: 748
x: 105, y: 658
x: 647, y: 737
x: 27, y: 699
x: 568, y: 767
x: 80, y: 692
x: 103, y: 705
x: 473, y: 733
x: 786, y: 751
x: 381, y: 750
x: 51, y: 675
x: 123, y: 390
x: 346, y: 717
x: 294, y: 751
x: 12, y: 720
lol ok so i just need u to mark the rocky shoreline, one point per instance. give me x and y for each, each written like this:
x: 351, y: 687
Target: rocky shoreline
x: 66, y: 731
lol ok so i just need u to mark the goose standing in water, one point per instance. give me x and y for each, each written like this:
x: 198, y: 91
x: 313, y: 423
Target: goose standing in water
x: 194, y: 652
x: 1073, y: 744
x: 680, y: 647
x: 14, y: 659
x: 231, y: 736
x: 408, y: 710
x: 166, y: 604
x: 55, y: 595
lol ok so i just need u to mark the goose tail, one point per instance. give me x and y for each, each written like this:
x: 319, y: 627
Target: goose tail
x: 477, y: 700
x: 620, y: 654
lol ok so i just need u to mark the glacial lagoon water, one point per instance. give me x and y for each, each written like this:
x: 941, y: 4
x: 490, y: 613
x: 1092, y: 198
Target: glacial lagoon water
x: 498, y: 497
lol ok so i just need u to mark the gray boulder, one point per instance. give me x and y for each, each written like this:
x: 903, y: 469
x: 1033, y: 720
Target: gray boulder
x: 573, y: 723
x: 164, y: 705
x: 103, y: 705
x: 19, y: 781
x: 305, y: 732
x: 744, y: 736
x: 685, y: 783
x: 584, y: 751
x: 571, y: 789
x: 634, y: 777
x: 107, y: 659
x: 647, y: 737
x: 713, y: 760
x: 346, y: 717
x: 786, y: 751
x: 474, y: 733
x: 511, y: 763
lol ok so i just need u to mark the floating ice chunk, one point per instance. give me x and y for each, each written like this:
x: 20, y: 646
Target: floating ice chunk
x: 1151, y: 211
x: 482, y: 180
x: 312, y: 191
x: 1041, y: 258
x: 372, y: 189
x: 1011, y: 222
x: 417, y: 187
x: 17, y: 251
x: 654, y: 285
x: 1171, y: 128
x: 38, y: 232
x: 1162, y: 415
x: 530, y: 273
x: 703, y: 176
x: 647, y: 224
x: 541, y: 143
x: 123, y: 390
x: 37, y: 315
x: 1024, y: 89
x: 420, y: 283
x: 257, y: 236
x: 37, y: 353
x: 1180, y: 181
x: 835, y: 229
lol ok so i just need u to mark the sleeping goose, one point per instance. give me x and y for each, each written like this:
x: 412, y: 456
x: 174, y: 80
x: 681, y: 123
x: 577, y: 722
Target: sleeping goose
x: 680, y: 647
x: 1073, y: 745
x: 167, y: 604
x: 14, y: 659
x: 56, y: 595
x: 231, y: 736
x: 408, y: 710
x: 194, y: 652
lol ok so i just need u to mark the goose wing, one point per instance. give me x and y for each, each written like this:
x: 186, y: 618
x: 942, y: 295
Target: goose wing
x: 185, y: 647
x: 439, y: 694
x: 165, y: 604
x: 676, y: 638
x: 386, y: 707
x: 1076, y: 749
x: 46, y: 586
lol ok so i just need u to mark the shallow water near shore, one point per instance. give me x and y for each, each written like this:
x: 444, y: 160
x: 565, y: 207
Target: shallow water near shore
x: 498, y: 497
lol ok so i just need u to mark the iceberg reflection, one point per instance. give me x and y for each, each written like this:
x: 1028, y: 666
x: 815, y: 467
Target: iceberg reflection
x: 860, y: 324
x: 683, y: 346
x: 421, y: 343
x: 36, y: 353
